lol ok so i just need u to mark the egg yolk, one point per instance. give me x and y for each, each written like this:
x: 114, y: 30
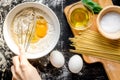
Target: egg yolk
x: 40, y: 30
x: 35, y: 39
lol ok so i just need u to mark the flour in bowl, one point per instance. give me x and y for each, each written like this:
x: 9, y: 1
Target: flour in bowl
x: 43, y: 32
x: 110, y: 22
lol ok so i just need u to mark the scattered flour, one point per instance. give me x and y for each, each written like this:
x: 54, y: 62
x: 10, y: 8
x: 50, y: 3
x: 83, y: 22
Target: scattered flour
x: 5, y: 2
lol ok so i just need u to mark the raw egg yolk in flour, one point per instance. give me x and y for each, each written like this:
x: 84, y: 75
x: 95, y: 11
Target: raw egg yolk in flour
x: 40, y: 30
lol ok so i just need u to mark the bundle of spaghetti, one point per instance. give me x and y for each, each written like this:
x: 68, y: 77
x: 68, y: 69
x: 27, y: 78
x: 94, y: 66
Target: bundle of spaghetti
x: 93, y: 43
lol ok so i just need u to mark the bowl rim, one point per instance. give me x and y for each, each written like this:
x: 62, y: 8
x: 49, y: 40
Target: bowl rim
x: 80, y: 5
x: 114, y: 35
x: 9, y: 41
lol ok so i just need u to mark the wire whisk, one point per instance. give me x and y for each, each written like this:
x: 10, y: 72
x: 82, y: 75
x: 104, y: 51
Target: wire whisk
x: 25, y: 37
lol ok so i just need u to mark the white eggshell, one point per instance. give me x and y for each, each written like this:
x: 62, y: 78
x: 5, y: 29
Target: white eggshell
x: 75, y: 64
x: 57, y: 59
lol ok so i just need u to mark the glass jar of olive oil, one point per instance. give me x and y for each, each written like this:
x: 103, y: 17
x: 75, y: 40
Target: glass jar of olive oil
x: 79, y: 16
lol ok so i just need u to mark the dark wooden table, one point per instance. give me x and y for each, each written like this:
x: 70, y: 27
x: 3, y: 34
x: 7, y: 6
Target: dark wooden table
x: 94, y: 71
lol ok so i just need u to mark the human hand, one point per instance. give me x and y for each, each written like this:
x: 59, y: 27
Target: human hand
x: 23, y: 70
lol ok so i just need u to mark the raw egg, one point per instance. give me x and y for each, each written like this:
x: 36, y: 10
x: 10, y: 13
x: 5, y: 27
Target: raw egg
x: 75, y: 64
x: 35, y: 38
x: 40, y: 30
x: 57, y: 59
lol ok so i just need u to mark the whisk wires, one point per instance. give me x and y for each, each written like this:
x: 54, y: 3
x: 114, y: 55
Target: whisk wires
x: 30, y: 33
x: 24, y: 40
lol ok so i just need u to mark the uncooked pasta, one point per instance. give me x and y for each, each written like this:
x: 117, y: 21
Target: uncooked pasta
x: 93, y: 43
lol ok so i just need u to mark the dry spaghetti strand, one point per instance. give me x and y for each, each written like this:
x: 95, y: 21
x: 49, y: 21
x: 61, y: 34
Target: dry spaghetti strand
x: 93, y: 43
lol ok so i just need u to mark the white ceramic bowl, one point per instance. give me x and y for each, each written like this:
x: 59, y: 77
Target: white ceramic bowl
x: 54, y: 21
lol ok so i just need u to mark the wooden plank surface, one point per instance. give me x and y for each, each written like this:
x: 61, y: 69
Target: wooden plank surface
x: 112, y: 68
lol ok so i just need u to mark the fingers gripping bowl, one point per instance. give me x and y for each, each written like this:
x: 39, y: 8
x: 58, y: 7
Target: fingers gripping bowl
x: 45, y: 34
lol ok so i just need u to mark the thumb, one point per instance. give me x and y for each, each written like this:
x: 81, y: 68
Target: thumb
x: 24, y: 63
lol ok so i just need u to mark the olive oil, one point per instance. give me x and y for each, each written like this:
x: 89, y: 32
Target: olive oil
x: 79, y: 18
